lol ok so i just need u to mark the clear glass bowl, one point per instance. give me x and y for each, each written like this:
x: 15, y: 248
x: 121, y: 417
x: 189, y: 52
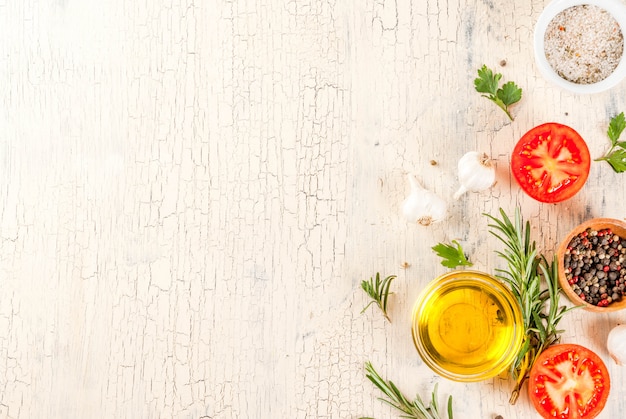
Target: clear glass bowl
x: 467, y: 326
x: 616, y: 8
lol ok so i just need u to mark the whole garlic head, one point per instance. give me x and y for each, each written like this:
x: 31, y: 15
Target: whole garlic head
x: 422, y: 206
x: 477, y: 172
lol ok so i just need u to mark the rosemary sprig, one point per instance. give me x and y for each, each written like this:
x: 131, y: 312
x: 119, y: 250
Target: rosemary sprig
x: 540, y: 305
x: 451, y: 255
x: 379, y: 292
x: 412, y: 410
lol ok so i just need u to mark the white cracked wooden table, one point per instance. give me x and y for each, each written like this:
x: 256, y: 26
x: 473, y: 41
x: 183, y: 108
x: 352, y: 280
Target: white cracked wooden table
x: 191, y: 192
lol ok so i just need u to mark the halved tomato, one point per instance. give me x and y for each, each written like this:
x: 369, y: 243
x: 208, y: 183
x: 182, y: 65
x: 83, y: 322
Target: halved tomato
x: 569, y: 382
x: 551, y: 162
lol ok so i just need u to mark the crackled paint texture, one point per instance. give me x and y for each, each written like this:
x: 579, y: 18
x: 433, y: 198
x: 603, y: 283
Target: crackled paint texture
x: 191, y: 192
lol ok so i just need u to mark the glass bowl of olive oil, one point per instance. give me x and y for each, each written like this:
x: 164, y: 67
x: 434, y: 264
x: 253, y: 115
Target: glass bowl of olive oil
x: 467, y: 326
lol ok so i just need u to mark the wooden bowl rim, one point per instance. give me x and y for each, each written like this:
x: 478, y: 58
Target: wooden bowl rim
x: 595, y: 224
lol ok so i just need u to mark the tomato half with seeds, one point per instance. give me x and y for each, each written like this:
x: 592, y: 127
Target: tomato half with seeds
x: 551, y: 162
x: 569, y: 381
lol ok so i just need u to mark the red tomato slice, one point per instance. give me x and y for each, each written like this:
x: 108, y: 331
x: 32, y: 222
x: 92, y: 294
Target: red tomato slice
x: 569, y: 382
x: 551, y: 162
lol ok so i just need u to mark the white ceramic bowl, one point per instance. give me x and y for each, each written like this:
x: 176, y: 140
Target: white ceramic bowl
x: 616, y: 8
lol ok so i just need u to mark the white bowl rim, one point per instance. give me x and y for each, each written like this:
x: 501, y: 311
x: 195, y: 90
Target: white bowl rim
x: 616, y: 8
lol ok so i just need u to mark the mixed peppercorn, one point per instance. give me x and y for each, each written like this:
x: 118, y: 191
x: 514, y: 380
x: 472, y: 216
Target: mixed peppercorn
x: 595, y: 266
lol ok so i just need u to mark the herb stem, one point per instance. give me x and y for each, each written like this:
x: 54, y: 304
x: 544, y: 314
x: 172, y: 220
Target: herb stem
x: 506, y: 110
x: 606, y: 155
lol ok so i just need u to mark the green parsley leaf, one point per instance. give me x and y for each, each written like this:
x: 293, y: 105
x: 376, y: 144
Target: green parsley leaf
x: 617, y: 160
x: 509, y: 93
x: 616, y: 156
x: 616, y: 126
x: 488, y: 82
x: 452, y: 256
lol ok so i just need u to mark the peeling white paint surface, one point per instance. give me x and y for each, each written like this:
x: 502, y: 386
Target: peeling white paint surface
x: 192, y: 191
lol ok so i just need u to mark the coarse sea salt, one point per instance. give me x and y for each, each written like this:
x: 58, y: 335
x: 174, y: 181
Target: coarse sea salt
x: 584, y: 44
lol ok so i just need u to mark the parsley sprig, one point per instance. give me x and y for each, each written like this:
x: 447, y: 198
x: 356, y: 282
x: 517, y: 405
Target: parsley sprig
x: 452, y: 255
x: 415, y: 409
x: 488, y: 82
x: 616, y: 156
x: 379, y: 292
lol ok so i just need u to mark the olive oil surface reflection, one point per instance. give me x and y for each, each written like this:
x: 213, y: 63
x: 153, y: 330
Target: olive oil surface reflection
x: 466, y: 329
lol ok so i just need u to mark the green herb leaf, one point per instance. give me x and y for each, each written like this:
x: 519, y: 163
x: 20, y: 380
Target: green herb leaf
x: 412, y: 410
x: 616, y: 126
x: 510, y: 93
x: 452, y: 256
x: 617, y: 160
x: 488, y: 82
x: 379, y: 292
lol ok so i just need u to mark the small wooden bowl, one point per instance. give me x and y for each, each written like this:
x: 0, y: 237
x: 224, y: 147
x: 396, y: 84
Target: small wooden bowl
x: 617, y: 227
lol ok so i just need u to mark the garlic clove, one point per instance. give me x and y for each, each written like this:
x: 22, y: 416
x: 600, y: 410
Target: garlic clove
x: 422, y: 206
x: 477, y: 172
x: 616, y: 344
x: 460, y: 192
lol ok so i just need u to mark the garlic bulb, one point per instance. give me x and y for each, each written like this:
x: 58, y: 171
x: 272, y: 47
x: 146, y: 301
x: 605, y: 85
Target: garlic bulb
x: 616, y: 344
x: 423, y: 206
x: 477, y: 172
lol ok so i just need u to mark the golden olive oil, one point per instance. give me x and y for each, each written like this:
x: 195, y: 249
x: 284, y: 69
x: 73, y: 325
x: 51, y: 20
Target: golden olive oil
x: 467, y: 327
